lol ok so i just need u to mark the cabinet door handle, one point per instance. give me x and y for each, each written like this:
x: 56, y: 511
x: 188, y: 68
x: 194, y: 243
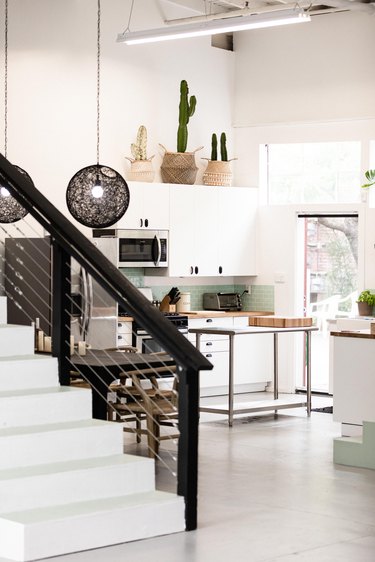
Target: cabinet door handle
x: 196, y: 269
x: 146, y: 222
x: 209, y: 320
x: 191, y: 270
x: 208, y: 354
x: 220, y: 269
x: 141, y: 222
x: 209, y: 343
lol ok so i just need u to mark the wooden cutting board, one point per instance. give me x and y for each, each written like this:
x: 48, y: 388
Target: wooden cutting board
x: 280, y: 321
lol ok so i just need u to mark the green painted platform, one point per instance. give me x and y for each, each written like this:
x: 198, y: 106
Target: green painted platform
x: 356, y: 451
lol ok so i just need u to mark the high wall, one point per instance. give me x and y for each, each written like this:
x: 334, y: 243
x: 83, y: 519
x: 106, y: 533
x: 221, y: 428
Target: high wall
x: 52, y: 88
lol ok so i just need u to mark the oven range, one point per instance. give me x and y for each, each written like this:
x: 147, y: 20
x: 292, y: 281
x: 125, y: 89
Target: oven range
x: 145, y: 343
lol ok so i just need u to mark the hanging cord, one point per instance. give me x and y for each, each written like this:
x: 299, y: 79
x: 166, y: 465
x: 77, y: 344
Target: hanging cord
x: 97, y: 86
x: 130, y: 17
x: 6, y: 81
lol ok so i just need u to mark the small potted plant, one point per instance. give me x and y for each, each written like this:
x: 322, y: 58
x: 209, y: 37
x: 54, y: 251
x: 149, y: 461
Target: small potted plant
x: 218, y: 172
x: 140, y: 166
x: 366, y: 302
x: 180, y: 166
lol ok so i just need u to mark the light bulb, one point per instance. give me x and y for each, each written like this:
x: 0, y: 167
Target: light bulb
x: 97, y: 191
x: 4, y: 192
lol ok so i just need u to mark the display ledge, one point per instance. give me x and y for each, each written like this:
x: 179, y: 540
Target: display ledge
x: 212, y: 314
x: 223, y: 313
x: 354, y: 334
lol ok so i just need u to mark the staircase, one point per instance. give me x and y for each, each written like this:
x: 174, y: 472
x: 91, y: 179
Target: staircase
x: 65, y: 485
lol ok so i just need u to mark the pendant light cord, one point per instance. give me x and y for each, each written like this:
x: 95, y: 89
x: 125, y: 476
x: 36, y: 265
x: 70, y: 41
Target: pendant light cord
x: 6, y: 81
x: 97, y: 86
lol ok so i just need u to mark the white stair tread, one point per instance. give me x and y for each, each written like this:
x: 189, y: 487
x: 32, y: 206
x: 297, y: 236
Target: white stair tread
x: 29, y: 357
x: 60, y: 512
x: 71, y: 466
x: 38, y: 391
x: 51, y: 427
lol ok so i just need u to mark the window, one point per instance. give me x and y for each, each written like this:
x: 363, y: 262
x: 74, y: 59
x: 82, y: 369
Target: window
x: 320, y: 172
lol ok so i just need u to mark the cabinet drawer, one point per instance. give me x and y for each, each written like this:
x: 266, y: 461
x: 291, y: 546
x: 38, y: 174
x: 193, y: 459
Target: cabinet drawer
x: 124, y: 327
x: 218, y: 377
x: 209, y: 346
x: 210, y: 323
x: 124, y: 339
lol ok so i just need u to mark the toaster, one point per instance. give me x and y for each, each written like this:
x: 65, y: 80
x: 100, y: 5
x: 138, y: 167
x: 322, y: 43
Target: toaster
x: 222, y: 301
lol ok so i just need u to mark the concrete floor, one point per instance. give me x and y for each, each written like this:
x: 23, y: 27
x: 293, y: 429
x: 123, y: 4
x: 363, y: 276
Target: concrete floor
x: 268, y: 491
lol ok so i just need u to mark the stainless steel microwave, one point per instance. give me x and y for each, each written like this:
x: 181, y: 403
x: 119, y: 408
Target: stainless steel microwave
x: 133, y: 248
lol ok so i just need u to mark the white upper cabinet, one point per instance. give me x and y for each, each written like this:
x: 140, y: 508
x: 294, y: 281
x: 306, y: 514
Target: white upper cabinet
x: 148, y: 207
x: 237, y: 230
x: 212, y: 231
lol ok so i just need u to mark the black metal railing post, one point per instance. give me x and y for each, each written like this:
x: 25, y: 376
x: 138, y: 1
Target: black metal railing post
x: 187, y: 468
x: 61, y: 310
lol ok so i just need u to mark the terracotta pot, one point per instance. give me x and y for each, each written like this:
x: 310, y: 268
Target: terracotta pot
x: 364, y: 309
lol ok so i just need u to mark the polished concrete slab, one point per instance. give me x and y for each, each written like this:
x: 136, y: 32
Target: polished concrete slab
x: 268, y: 492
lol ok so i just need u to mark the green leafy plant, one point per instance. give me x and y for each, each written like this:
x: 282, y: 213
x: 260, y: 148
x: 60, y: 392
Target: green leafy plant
x: 370, y: 176
x: 186, y: 110
x: 368, y: 297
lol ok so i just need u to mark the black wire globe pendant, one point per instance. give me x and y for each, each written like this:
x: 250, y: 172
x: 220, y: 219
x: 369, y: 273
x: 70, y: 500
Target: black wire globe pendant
x: 97, y: 196
x: 10, y: 209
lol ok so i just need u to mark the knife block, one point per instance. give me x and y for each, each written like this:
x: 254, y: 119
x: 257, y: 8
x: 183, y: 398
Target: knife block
x: 165, y: 305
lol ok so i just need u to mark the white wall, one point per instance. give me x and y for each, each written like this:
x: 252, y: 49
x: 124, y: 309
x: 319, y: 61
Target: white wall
x: 52, y: 89
x: 311, y: 72
x: 307, y: 83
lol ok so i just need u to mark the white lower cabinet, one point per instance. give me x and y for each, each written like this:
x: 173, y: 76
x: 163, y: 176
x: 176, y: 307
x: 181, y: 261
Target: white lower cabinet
x: 124, y: 333
x: 253, y: 357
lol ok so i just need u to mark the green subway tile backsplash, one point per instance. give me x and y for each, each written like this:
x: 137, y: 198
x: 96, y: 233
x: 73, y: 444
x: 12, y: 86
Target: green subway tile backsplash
x: 261, y: 298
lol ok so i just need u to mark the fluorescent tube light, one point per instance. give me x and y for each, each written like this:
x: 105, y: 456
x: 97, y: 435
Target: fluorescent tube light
x: 212, y: 27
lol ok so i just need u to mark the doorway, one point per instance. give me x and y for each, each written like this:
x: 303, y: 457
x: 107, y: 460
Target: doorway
x: 328, y: 264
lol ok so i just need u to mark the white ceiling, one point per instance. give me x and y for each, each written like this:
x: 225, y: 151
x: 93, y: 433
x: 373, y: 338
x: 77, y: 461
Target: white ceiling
x: 315, y: 7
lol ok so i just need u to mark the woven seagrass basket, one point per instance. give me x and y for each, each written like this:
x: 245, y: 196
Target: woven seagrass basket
x: 218, y: 173
x: 179, y: 167
x: 141, y: 170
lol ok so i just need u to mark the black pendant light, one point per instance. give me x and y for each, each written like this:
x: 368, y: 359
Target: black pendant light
x: 10, y: 209
x: 97, y: 196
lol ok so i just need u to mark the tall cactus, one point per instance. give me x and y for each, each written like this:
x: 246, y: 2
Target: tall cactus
x: 139, y: 148
x: 214, y: 147
x: 223, y: 147
x: 186, y: 110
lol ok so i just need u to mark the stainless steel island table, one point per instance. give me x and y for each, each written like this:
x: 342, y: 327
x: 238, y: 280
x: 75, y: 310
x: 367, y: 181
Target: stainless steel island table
x: 264, y: 405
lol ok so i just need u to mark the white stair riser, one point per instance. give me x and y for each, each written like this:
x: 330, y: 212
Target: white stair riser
x: 63, y: 405
x: 16, y: 340
x: 58, y: 446
x: 92, y: 530
x: 80, y: 485
x: 37, y: 372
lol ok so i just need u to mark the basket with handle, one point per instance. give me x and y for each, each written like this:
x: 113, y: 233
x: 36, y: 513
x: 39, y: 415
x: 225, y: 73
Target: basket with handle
x: 179, y: 167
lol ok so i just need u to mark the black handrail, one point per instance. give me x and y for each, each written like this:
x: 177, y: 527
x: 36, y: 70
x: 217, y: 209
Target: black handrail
x: 69, y: 241
x: 102, y: 270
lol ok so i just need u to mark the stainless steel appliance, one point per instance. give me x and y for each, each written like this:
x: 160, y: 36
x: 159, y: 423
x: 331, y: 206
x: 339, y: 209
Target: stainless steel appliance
x: 147, y: 344
x: 222, y: 301
x: 28, y: 284
x: 133, y: 248
x: 94, y: 312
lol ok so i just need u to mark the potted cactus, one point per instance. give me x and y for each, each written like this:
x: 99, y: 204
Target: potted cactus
x: 218, y: 172
x: 140, y: 166
x: 180, y: 166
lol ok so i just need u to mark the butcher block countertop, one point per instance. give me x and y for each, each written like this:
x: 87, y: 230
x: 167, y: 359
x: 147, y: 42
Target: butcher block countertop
x: 222, y: 314
x: 354, y: 334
